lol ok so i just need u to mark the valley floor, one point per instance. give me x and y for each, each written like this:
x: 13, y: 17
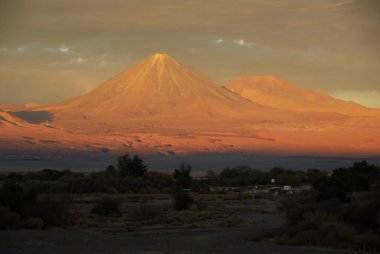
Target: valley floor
x: 185, y: 241
x: 257, y: 215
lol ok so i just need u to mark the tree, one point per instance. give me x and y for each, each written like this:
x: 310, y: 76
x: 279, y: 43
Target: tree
x: 131, y: 166
x: 344, y: 181
x: 331, y: 188
x: 182, y: 176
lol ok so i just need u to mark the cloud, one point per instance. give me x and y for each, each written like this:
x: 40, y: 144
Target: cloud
x: 245, y: 43
x: 61, y: 49
x: 253, y: 45
x: 242, y: 42
x: 336, y: 6
x: 219, y: 41
x: 12, y: 50
x: 80, y: 60
x: 64, y: 49
x: 320, y: 44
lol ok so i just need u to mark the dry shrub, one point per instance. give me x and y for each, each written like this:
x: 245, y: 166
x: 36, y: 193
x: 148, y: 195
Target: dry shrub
x: 201, y: 205
x: 367, y: 242
x: 144, y: 212
x: 318, y: 228
x: 8, y: 219
x: 107, y: 207
x: 260, y: 237
x: 231, y: 221
x: 187, y: 217
x: 33, y: 223
x: 182, y: 200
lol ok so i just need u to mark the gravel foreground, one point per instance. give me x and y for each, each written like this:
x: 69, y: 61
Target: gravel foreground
x: 187, y: 241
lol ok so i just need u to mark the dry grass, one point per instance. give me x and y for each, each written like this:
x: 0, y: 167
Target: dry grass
x: 154, y: 212
x: 231, y: 220
x: 263, y: 236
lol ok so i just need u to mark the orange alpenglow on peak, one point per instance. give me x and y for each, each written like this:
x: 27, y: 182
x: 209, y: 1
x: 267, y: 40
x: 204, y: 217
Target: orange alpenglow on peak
x: 274, y: 92
x: 159, y: 104
x: 161, y: 55
x: 159, y: 60
x: 158, y: 85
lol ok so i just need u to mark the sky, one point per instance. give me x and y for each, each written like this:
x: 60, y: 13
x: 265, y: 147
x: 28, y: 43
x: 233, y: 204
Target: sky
x: 51, y: 50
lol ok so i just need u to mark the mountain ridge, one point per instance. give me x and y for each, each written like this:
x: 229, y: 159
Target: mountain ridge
x: 161, y: 107
x: 155, y: 86
x: 274, y: 92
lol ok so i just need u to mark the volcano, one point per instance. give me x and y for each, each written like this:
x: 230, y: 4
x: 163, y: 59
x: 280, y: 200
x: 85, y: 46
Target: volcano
x: 274, y: 92
x: 160, y: 107
x: 157, y: 86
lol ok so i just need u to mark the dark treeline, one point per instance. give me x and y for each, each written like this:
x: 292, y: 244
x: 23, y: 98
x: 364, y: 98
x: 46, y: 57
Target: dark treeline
x: 131, y: 175
x: 31, y: 200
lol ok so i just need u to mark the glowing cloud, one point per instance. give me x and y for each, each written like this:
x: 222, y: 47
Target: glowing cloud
x: 241, y: 42
x: 80, y: 60
x: 64, y: 49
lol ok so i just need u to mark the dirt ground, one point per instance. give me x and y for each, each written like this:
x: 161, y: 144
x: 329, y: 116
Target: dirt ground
x: 213, y: 235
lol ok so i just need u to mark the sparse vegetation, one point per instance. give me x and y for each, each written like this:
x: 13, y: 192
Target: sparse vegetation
x: 182, y: 200
x: 20, y: 208
x: 318, y: 228
x: 341, y: 212
x: 107, y: 207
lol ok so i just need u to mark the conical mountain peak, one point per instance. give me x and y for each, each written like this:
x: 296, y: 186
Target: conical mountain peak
x: 158, y: 61
x: 161, y: 56
x: 158, y: 85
